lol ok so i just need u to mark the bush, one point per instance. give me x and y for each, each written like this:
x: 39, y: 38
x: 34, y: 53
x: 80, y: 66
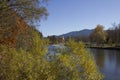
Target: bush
x: 19, y: 64
x: 75, y: 64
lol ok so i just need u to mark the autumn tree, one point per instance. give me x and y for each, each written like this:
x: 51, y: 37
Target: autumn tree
x: 28, y: 10
x: 16, y: 17
x: 98, y: 35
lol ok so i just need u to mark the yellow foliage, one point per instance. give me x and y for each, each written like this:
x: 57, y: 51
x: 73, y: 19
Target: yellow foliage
x: 76, y: 63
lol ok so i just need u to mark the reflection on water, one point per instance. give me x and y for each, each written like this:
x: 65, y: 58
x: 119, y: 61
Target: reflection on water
x: 108, y: 62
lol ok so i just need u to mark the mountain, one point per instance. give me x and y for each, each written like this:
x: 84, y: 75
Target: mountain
x: 85, y: 32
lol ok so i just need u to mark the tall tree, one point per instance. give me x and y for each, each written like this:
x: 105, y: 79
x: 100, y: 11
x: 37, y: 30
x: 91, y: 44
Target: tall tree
x: 98, y: 35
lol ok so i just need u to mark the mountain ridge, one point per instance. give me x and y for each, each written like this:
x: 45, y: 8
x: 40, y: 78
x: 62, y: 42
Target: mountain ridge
x: 84, y: 32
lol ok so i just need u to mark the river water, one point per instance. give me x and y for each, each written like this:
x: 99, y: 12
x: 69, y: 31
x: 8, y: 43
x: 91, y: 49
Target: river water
x: 108, y: 62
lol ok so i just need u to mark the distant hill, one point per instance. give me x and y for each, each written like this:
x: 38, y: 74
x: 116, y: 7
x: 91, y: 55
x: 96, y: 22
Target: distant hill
x: 85, y: 32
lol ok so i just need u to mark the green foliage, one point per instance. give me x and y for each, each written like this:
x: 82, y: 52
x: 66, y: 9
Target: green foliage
x: 19, y: 64
x: 27, y: 9
x: 25, y: 40
x: 84, y: 60
x: 52, y: 39
x: 74, y: 64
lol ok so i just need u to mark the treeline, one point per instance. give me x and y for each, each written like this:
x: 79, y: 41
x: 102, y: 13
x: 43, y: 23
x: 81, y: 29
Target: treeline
x: 109, y: 37
x: 99, y: 36
x: 113, y: 35
x: 55, y: 40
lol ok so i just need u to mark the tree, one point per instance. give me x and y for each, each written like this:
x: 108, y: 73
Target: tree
x: 110, y: 36
x: 98, y: 35
x: 27, y: 9
x: 113, y: 34
x: 52, y: 39
x: 15, y: 19
x: 117, y: 33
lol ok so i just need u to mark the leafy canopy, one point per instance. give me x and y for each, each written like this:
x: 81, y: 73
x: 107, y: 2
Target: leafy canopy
x: 30, y: 10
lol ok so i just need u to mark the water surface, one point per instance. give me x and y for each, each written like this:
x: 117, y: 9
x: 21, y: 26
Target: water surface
x: 108, y: 62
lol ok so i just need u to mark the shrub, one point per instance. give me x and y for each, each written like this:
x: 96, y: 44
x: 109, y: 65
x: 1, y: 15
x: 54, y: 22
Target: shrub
x: 75, y: 64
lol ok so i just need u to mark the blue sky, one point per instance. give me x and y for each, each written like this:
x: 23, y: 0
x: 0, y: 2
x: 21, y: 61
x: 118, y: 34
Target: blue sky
x: 74, y: 15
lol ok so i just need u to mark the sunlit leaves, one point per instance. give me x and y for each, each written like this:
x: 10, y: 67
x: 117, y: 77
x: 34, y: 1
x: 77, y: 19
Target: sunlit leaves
x: 76, y: 63
x: 98, y: 35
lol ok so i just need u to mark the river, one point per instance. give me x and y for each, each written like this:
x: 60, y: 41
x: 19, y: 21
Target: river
x: 108, y: 62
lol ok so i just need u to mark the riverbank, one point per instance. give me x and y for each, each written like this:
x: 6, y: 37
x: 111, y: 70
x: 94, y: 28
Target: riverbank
x: 110, y: 48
